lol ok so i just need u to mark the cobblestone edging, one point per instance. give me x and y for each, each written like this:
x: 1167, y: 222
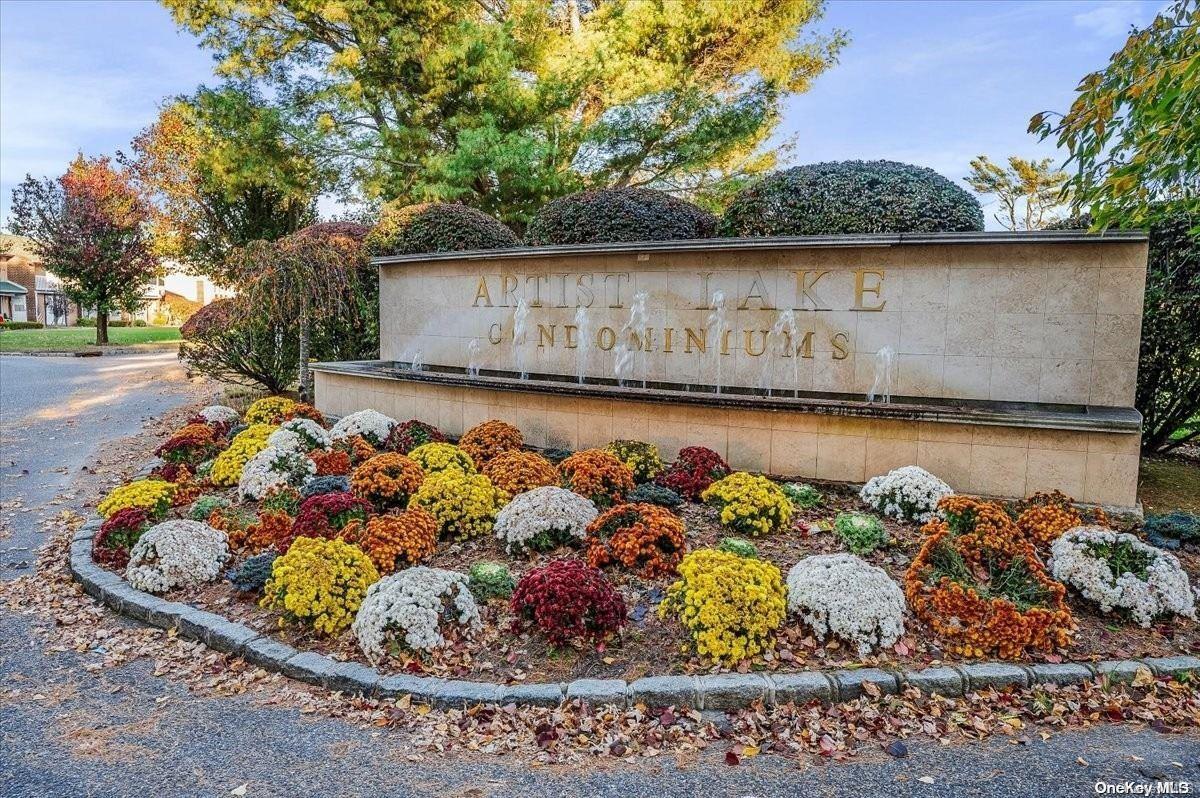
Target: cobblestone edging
x: 707, y: 692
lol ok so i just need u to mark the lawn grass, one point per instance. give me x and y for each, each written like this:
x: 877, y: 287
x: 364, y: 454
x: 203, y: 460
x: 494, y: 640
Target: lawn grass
x: 69, y: 339
x: 1169, y: 484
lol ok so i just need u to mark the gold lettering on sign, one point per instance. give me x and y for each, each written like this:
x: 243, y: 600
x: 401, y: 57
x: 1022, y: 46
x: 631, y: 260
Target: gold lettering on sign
x: 668, y: 334
x: 758, y: 290
x: 839, y: 342
x: 494, y: 334
x: 570, y: 330
x: 805, y: 290
x: 749, y: 342
x: 583, y: 291
x: 700, y: 340
x: 606, y: 338
x: 482, y: 293
x: 806, y: 345
x: 616, y: 294
x: 536, y: 279
x: 545, y: 333
x: 860, y: 288
x: 508, y: 290
x: 705, y: 300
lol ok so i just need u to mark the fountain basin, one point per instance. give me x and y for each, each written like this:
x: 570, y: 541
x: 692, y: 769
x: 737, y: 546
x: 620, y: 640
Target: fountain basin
x: 1011, y: 358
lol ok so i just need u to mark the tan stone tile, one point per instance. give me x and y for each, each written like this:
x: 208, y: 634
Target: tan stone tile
x: 1113, y: 442
x: 998, y: 470
x: 945, y: 433
x: 842, y: 457
x: 1015, y: 379
x: 844, y: 425
x: 793, y: 453
x: 922, y: 332
x: 1056, y: 470
x: 1121, y: 291
x: 1066, y: 382
x: 596, y: 431
x: 970, y: 332
x: 450, y: 417
x: 877, y: 330
x: 919, y: 375
x: 967, y: 377
x: 1111, y: 479
x: 1072, y: 289
x: 1069, y: 335
x: 993, y: 435
x: 1058, y: 440
x: 750, y: 449
x: 562, y: 429
x: 1020, y: 290
x: 474, y: 413
x: 1113, y: 384
x: 796, y: 421
x: 887, y: 428
x: 884, y: 454
x: 1117, y: 337
x: 1018, y: 335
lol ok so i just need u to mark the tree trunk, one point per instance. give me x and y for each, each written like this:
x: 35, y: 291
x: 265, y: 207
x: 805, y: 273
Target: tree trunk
x: 305, y: 393
x: 101, y: 327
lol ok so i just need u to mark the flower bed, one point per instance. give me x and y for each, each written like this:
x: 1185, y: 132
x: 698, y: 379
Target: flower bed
x: 654, y: 581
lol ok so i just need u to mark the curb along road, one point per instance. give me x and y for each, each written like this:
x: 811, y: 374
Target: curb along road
x: 707, y: 692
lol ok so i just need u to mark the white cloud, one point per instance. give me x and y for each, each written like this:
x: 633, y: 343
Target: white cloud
x: 1113, y: 19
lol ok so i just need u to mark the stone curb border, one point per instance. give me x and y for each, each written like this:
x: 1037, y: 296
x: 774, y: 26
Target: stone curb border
x: 707, y: 692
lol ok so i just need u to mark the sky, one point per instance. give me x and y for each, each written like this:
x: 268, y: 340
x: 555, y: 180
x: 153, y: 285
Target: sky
x: 934, y: 83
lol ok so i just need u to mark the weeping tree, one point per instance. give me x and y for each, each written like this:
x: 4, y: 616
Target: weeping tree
x: 317, y: 282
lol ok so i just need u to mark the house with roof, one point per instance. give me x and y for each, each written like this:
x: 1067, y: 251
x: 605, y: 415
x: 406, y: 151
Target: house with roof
x: 28, y: 292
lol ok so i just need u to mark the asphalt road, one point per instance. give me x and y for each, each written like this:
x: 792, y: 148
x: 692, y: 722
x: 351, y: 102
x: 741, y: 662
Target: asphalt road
x: 125, y: 732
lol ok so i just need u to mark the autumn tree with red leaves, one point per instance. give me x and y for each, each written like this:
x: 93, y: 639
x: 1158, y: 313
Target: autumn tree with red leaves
x: 89, y: 227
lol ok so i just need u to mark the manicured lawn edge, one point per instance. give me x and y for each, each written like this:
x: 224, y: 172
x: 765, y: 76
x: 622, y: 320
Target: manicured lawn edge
x: 704, y: 692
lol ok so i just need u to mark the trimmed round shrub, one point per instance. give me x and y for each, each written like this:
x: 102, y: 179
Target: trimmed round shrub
x: 597, y: 475
x: 642, y: 458
x: 619, y: 214
x: 176, y: 554
x: 516, y: 472
x: 435, y: 457
x: 408, y: 435
x: 566, y: 600
x: 325, y: 484
x: 1119, y: 572
x: 395, y: 540
x: 117, y: 535
x: 645, y: 538
x: 321, y: 583
x: 436, y: 227
x: 488, y: 439
x: 851, y: 197
x: 387, y: 480
x: 489, y: 580
x: 861, y: 532
x: 411, y: 608
x: 650, y: 493
x: 693, y: 471
x: 840, y: 595
x: 543, y: 519
x: 465, y: 505
x: 749, y: 504
x: 730, y: 605
x: 252, y: 575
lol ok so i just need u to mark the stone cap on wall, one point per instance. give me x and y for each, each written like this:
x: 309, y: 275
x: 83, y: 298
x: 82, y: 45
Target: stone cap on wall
x: 781, y: 242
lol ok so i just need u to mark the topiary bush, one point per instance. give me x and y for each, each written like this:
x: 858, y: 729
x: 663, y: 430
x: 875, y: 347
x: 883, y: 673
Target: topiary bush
x: 619, y: 214
x: 436, y: 227
x: 851, y: 197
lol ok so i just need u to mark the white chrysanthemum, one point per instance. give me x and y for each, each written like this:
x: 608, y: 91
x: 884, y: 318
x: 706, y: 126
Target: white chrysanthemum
x: 909, y: 493
x: 176, y: 553
x: 548, y: 512
x: 301, y: 435
x: 1083, y: 558
x: 847, y: 597
x: 411, y: 605
x: 219, y: 414
x: 371, y: 424
x: 274, y: 466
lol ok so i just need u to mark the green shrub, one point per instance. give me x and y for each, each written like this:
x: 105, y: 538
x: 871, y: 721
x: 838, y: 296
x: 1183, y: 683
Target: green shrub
x: 651, y: 493
x: 202, y: 508
x: 618, y: 214
x: 1170, y: 530
x: 231, y: 342
x: 21, y: 325
x: 488, y: 580
x: 862, y: 533
x: 804, y: 496
x: 739, y: 546
x: 436, y: 227
x: 85, y: 322
x: 851, y: 197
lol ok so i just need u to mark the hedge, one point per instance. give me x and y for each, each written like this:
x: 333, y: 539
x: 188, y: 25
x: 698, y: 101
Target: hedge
x: 21, y: 325
x: 436, y: 227
x: 619, y: 214
x: 841, y: 197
